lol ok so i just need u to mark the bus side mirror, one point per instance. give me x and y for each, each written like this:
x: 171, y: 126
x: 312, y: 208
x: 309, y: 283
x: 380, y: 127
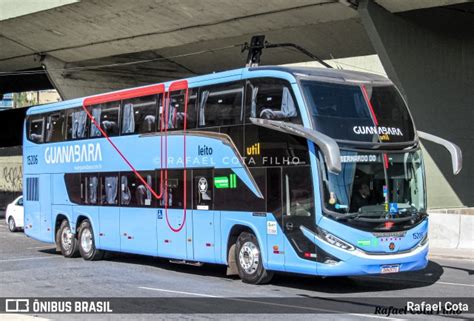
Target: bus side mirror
x: 328, y: 146
x: 454, y: 150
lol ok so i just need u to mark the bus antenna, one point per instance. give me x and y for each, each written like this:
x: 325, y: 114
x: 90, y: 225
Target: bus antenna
x: 258, y: 43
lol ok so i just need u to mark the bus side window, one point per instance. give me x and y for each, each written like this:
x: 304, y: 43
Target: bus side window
x: 109, y: 189
x: 221, y: 105
x: 175, y: 190
x: 271, y: 99
x: 77, y: 124
x: 298, y: 191
x: 90, y: 188
x: 107, y: 117
x: 176, y: 110
x: 134, y: 193
x: 55, y: 127
x: 74, y: 187
x: 232, y: 193
x: 36, y: 127
x: 140, y: 115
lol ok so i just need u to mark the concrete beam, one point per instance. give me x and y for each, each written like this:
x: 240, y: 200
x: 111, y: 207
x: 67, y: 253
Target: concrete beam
x: 430, y: 56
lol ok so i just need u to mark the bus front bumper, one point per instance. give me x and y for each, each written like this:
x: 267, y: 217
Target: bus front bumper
x: 358, y: 262
x: 361, y: 263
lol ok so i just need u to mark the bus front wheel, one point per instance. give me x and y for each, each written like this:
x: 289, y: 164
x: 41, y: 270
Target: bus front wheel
x: 249, y: 260
x: 87, y: 244
x: 67, y: 241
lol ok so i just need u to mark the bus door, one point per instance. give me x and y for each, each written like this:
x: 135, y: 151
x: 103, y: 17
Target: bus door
x: 204, y: 218
x: 298, y: 211
x: 174, y: 201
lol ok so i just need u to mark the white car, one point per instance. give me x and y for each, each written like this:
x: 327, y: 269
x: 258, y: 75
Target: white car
x: 14, y: 214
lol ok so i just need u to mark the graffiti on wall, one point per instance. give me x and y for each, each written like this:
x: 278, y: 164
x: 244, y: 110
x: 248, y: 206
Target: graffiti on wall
x: 11, y: 174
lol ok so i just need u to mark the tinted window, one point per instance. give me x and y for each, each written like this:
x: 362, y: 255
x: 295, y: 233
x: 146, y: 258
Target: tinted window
x: 274, y: 186
x: 267, y: 147
x: 109, y: 186
x: 220, y: 105
x: 140, y: 115
x: 176, y: 111
x: 298, y: 191
x: 90, y: 188
x: 133, y: 192
x: 271, y: 99
x: 77, y: 124
x: 342, y: 112
x: 231, y: 193
x: 175, y: 190
x: 74, y: 187
x: 35, y: 132
x: 107, y: 116
x: 391, y: 111
x: 55, y: 127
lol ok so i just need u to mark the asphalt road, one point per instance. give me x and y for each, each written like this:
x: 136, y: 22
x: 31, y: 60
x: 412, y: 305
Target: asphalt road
x: 29, y: 268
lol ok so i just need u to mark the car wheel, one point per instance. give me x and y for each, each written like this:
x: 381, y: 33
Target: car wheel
x: 249, y: 260
x: 11, y: 224
x: 67, y: 240
x: 87, y: 246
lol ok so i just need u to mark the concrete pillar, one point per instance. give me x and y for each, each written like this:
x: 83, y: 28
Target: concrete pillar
x: 429, y: 54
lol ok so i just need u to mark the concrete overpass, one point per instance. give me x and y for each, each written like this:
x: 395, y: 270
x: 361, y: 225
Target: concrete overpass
x: 85, y: 47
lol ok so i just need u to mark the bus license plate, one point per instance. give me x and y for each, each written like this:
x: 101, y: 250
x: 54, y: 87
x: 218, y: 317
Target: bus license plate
x: 390, y: 269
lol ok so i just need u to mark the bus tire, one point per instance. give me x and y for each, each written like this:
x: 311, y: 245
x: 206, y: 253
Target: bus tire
x: 249, y: 260
x: 87, y: 243
x: 11, y: 224
x: 67, y: 241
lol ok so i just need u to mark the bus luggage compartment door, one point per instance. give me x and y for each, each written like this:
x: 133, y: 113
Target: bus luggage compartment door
x: 171, y: 234
x: 203, y: 236
x: 47, y: 231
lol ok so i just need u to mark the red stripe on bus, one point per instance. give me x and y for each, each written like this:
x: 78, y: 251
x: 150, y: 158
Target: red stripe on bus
x: 176, y: 86
x: 126, y: 94
x: 371, y: 108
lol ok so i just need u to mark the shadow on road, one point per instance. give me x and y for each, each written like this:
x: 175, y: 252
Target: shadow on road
x: 340, y: 285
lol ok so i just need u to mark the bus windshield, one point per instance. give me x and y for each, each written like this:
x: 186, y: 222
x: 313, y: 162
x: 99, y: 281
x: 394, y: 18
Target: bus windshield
x: 364, y: 113
x: 376, y: 185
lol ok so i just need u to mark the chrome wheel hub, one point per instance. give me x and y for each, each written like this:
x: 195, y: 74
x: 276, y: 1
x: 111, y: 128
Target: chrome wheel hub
x: 86, y: 240
x: 66, y: 239
x: 249, y: 257
x: 12, y: 224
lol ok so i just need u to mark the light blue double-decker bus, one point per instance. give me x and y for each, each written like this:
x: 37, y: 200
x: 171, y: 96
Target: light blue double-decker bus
x: 266, y: 169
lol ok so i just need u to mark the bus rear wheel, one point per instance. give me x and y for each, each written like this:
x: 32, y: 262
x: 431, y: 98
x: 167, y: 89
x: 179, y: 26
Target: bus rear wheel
x: 249, y: 260
x: 87, y: 243
x: 67, y: 241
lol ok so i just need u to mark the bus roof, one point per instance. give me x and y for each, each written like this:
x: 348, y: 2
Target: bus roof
x: 295, y: 71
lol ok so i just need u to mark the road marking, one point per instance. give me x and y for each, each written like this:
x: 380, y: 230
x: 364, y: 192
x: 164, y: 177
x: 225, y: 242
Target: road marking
x: 456, y: 284
x: 178, y: 292
x: 268, y: 303
x: 30, y: 258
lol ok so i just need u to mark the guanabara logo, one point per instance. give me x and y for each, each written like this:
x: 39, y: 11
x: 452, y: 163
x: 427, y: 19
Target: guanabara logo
x: 83, y: 153
x: 378, y: 130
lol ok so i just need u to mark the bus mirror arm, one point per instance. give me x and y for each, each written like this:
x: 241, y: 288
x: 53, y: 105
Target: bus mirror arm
x: 454, y: 150
x: 328, y: 146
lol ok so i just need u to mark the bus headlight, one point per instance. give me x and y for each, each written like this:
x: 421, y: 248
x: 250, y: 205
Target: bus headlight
x: 424, y: 240
x: 334, y: 240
